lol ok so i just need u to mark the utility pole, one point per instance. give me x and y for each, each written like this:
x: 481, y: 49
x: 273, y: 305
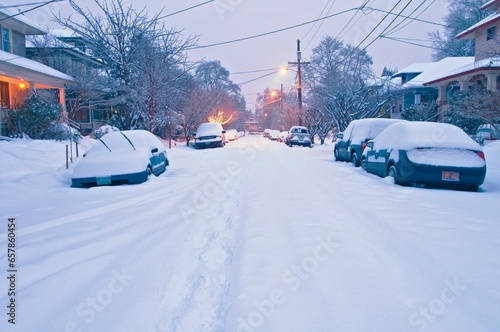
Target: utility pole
x: 281, y: 98
x: 299, y: 79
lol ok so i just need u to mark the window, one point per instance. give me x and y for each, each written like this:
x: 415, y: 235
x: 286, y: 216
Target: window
x: 6, y: 40
x: 491, y: 33
x: 4, y: 95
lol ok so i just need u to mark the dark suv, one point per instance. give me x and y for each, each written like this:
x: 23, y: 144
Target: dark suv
x: 350, y: 144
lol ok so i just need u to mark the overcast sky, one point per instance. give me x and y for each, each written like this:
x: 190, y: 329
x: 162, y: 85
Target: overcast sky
x: 225, y: 20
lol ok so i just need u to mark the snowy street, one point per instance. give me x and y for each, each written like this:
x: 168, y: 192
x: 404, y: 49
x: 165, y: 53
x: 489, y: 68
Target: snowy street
x: 255, y: 236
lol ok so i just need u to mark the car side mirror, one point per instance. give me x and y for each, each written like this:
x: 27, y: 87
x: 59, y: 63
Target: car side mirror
x: 223, y: 131
x: 155, y: 150
x: 340, y: 135
x: 193, y: 134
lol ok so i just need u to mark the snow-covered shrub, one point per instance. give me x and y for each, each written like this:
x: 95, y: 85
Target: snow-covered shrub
x: 61, y: 131
x: 36, y: 117
x: 421, y: 112
x: 117, y: 121
x: 103, y: 130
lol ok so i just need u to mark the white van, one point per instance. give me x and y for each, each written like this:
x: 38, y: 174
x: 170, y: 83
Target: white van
x: 209, y: 135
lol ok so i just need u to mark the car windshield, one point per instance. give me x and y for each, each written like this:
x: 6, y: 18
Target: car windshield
x: 115, y: 141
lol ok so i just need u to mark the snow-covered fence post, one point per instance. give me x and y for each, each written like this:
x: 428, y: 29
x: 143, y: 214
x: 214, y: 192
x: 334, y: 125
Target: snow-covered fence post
x: 72, y: 124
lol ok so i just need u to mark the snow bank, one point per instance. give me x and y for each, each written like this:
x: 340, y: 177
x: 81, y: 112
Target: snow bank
x: 11, y: 167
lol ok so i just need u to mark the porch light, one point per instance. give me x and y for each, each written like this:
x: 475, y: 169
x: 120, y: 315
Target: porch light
x: 22, y: 85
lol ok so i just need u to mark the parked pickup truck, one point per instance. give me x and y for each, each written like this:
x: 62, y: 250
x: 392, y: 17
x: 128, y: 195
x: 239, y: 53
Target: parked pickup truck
x: 298, y: 135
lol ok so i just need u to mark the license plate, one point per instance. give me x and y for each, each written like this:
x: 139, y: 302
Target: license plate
x: 450, y: 176
x: 207, y: 143
x: 103, y: 181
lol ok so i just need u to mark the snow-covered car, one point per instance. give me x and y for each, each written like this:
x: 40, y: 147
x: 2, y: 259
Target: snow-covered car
x: 487, y: 133
x: 426, y: 153
x: 121, y: 157
x: 232, y: 135
x: 350, y: 144
x: 274, y: 134
x: 209, y: 135
x: 298, y: 135
x: 282, y: 136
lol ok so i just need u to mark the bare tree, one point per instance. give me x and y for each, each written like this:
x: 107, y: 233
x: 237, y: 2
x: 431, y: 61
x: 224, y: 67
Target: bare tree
x: 199, y: 104
x: 212, y: 76
x: 342, y: 86
x: 135, y: 50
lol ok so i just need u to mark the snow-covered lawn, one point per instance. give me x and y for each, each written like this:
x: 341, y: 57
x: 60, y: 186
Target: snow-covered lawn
x: 256, y: 236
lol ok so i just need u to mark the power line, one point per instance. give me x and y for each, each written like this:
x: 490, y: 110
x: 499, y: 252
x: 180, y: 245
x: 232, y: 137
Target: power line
x: 255, y: 71
x: 41, y: 4
x: 379, y: 23
x: 401, y: 40
x: 271, y: 32
x: 412, y: 19
x: 350, y: 23
x: 186, y: 9
x: 321, y: 24
x: 387, y: 27
x: 415, y: 19
x: 23, y: 5
x: 258, y: 78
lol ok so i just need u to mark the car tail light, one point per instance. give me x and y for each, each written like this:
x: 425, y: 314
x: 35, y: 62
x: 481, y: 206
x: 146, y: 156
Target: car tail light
x: 363, y: 146
x: 481, y: 155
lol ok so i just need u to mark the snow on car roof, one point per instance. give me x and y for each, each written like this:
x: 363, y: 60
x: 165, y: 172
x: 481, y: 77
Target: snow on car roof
x: 370, y: 128
x: 408, y: 135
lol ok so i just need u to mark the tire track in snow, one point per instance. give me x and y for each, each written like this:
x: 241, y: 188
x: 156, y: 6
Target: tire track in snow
x: 195, y: 297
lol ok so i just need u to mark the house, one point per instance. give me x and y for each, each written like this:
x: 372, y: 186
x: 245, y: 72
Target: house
x: 18, y: 74
x: 68, y: 52
x: 484, y: 71
x: 413, y: 79
x: 253, y: 125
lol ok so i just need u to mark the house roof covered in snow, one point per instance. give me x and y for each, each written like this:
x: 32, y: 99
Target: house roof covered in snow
x: 415, y: 68
x: 490, y: 5
x: 436, y: 70
x: 492, y: 63
x: 470, y: 33
x: 18, y: 21
x: 23, y: 68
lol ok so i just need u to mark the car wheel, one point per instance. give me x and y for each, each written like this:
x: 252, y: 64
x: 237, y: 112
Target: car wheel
x: 393, y: 173
x: 354, y: 160
x: 335, y: 155
x: 364, y: 164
